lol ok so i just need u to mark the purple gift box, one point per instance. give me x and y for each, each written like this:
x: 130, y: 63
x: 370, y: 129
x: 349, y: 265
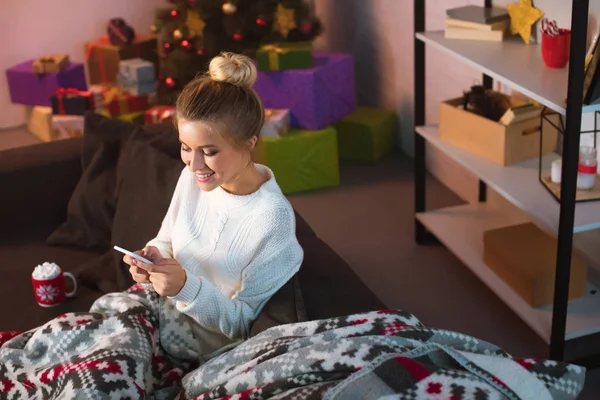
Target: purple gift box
x: 27, y: 87
x: 316, y: 97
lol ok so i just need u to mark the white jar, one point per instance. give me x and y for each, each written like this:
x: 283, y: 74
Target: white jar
x: 587, y: 168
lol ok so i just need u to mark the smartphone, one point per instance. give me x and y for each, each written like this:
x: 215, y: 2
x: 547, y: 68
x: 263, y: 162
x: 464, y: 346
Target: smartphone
x: 129, y: 253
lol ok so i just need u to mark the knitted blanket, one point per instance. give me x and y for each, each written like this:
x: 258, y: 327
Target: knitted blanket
x: 135, y: 344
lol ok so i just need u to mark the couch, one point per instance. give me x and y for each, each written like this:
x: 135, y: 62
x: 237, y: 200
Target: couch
x: 125, y: 175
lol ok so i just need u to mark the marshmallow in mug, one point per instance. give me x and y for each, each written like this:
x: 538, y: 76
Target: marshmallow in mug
x: 47, y: 270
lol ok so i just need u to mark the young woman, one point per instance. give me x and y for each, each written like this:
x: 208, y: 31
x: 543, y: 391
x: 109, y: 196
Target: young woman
x: 228, y: 241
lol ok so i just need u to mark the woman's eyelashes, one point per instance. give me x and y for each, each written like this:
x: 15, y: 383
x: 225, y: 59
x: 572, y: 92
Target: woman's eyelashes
x: 206, y: 153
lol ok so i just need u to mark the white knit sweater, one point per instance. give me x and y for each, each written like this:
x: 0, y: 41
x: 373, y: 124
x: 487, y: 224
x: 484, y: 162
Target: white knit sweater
x: 237, y: 252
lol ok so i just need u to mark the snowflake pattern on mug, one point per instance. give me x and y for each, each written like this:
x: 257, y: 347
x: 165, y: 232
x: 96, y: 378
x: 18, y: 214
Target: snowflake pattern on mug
x: 47, y: 292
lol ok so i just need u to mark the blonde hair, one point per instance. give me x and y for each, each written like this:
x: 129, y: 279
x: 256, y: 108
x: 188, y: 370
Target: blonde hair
x: 224, y: 99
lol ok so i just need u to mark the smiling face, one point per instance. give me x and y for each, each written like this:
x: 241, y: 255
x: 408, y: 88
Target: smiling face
x: 213, y: 160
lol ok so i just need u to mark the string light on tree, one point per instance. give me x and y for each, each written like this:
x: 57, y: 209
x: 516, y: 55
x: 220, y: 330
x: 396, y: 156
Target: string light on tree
x: 229, y: 8
x: 261, y: 21
x: 192, y: 2
x: 174, y: 13
x: 154, y: 28
x: 238, y: 37
x: 170, y: 82
x: 177, y: 34
x: 168, y: 46
x: 200, y: 52
x: 186, y: 44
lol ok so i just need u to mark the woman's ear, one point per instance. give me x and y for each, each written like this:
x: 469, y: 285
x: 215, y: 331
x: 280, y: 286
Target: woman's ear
x: 252, y: 142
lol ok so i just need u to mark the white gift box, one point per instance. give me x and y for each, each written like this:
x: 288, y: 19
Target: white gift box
x: 277, y: 123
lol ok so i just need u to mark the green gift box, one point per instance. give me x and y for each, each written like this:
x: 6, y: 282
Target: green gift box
x: 366, y: 134
x: 301, y: 160
x: 283, y: 56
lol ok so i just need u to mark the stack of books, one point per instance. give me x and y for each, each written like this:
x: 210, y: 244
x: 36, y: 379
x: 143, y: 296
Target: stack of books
x: 477, y: 23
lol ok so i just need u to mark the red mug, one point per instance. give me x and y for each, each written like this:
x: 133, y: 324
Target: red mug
x: 556, y: 49
x: 51, y: 292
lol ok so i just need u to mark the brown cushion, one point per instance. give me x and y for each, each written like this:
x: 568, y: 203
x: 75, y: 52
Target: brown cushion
x: 91, y: 208
x: 329, y: 286
x: 146, y: 177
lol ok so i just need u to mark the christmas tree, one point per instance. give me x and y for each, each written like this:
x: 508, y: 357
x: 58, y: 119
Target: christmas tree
x: 192, y: 32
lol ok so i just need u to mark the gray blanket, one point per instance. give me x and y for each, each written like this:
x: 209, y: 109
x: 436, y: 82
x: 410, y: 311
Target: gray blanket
x: 135, y: 344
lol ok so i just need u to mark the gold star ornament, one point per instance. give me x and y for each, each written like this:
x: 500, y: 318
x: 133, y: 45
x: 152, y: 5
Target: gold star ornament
x: 285, y: 20
x: 194, y: 23
x: 522, y: 18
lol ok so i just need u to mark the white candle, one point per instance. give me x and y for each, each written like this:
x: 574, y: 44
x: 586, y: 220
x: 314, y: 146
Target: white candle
x: 556, y: 171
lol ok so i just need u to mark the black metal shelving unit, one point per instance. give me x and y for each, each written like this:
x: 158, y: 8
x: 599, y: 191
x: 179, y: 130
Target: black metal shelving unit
x: 579, y: 349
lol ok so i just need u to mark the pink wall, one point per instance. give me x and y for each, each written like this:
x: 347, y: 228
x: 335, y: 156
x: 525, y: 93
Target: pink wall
x: 32, y: 27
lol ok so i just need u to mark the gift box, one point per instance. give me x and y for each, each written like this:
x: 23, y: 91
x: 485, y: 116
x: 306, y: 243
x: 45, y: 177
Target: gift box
x: 69, y: 101
x: 103, y: 58
x: 137, y: 76
x: 98, y: 93
x: 316, y: 97
x: 27, y: 87
x: 301, y: 160
x: 48, y: 127
x: 137, y: 88
x: 117, y: 102
x: 284, y: 56
x: 67, y: 126
x: 137, y: 70
x: 39, y: 122
x: 366, y: 134
x: 277, y: 123
x: 51, y: 64
x: 159, y: 114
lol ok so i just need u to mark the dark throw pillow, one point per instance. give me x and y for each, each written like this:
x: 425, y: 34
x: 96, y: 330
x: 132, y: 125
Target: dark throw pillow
x: 91, y: 208
x: 146, y: 177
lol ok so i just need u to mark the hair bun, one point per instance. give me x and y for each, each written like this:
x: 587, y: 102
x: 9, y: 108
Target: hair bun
x: 232, y: 68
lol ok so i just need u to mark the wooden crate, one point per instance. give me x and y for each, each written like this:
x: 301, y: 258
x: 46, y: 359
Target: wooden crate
x: 524, y: 257
x: 492, y: 140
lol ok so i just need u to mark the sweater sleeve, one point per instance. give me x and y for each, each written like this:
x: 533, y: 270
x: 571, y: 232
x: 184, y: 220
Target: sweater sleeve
x: 276, y: 257
x: 162, y: 241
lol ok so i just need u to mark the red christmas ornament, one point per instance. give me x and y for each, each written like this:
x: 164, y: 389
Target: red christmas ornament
x: 186, y: 44
x: 200, y: 52
x: 168, y: 46
x: 170, y: 82
x: 306, y: 27
x: 238, y: 36
x: 174, y: 13
x: 261, y: 22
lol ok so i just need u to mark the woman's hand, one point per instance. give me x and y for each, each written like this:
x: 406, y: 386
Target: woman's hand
x: 166, y: 275
x: 138, y: 274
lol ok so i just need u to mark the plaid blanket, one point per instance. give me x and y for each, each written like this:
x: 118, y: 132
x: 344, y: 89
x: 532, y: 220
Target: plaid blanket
x: 135, y: 344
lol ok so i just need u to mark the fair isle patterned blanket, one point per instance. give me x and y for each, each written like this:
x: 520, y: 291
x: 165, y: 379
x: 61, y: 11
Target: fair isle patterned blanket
x: 136, y: 345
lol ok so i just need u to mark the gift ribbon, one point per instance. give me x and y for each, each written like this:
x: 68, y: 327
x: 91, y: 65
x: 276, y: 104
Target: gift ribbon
x: 117, y: 32
x: 104, y: 40
x: 69, y: 92
x: 274, y: 51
